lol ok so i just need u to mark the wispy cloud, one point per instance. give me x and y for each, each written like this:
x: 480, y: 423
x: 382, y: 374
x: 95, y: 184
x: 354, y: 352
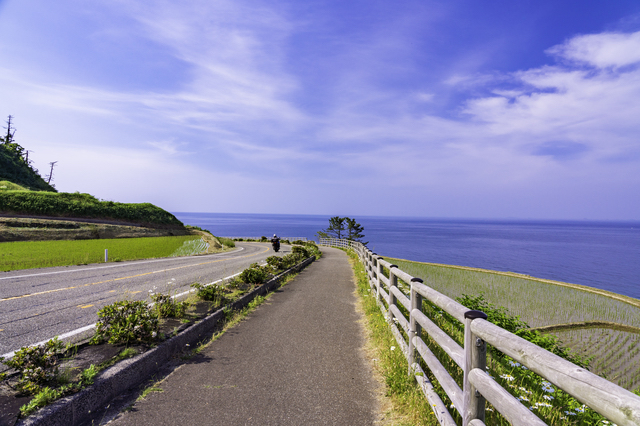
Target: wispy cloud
x: 269, y: 95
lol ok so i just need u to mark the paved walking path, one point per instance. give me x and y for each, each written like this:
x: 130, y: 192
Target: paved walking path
x: 296, y: 360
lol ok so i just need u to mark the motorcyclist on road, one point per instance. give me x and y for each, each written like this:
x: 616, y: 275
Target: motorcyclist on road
x: 275, y: 242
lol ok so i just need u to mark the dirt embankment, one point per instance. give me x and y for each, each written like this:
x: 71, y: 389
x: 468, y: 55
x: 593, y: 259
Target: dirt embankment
x: 38, y: 229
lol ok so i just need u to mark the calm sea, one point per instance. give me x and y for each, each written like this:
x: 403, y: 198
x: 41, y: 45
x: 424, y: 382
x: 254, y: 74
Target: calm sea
x: 604, y: 255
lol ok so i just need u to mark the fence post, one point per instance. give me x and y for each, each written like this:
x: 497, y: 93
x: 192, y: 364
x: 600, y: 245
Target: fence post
x: 415, y: 329
x: 378, y: 280
x: 475, y: 356
x: 393, y: 282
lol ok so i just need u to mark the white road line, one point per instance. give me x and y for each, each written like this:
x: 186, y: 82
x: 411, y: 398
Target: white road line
x: 109, y: 266
x: 72, y: 333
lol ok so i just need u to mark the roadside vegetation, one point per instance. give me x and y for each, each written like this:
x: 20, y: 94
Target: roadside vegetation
x: 551, y: 404
x: 126, y: 328
x: 595, y: 324
x: 409, y: 406
x: 77, y: 205
x: 42, y: 254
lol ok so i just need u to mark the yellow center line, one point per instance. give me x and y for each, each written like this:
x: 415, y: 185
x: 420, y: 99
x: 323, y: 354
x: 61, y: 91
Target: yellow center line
x: 124, y: 278
x: 84, y: 307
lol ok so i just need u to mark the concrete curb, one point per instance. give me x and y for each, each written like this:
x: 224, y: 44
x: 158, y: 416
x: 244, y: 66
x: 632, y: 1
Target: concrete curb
x: 112, y: 382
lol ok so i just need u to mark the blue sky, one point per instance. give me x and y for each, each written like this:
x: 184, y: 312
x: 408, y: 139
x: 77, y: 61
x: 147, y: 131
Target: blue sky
x: 465, y: 109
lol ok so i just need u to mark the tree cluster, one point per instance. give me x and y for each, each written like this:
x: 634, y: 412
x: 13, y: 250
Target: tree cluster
x: 343, y: 228
x: 15, y: 165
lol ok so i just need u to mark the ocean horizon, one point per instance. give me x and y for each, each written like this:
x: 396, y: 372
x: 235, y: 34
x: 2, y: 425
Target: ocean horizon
x: 600, y: 254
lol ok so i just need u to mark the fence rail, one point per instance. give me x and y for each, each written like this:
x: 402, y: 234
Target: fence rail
x: 611, y: 401
x: 269, y: 238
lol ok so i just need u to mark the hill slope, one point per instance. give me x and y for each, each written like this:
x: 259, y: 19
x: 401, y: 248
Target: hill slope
x: 14, y: 168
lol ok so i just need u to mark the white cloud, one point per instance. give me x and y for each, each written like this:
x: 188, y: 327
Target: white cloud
x: 565, y: 106
x: 238, y: 119
x: 601, y: 50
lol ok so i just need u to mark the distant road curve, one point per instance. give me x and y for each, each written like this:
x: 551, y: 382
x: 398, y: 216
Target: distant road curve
x: 39, y: 304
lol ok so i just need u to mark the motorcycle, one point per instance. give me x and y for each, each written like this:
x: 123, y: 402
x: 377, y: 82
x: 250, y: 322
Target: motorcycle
x: 276, y: 245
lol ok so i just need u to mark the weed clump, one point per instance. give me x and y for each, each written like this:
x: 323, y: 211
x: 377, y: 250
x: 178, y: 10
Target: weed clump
x: 166, y: 307
x: 126, y: 322
x: 255, y: 274
x: 211, y: 293
x: 37, y: 366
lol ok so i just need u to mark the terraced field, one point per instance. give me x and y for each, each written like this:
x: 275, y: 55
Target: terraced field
x: 615, y: 350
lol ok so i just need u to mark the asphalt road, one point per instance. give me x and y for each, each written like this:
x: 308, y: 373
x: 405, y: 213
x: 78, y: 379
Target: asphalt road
x: 296, y: 360
x: 38, y: 304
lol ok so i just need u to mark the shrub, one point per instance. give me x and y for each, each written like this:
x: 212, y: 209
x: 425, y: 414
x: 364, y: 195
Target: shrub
x: 212, y: 293
x: 227, y: 242
x: 263, y: 239
x: 166, y: 307
x: 126, y: 322
x: 254, y: 275
x: 37, y: 366
x: 276, y: 263
x: 310, y: 246
x: 299, y: 249
x: 502, y: 318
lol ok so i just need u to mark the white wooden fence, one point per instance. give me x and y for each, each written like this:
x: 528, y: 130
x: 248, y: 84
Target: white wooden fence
x: 269, y: 238
x: 613, y: 402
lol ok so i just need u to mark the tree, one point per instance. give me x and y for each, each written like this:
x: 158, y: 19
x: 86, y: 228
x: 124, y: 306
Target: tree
x: 354, y: 230
x: 10, y: 132
x: 15, y: 165
x: 343, y: 227
x: 50, y: 175
x: 335, y: 230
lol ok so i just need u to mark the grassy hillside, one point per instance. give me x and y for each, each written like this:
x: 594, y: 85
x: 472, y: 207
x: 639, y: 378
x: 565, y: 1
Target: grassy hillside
x: 14, y: 168
x: 82, y: 206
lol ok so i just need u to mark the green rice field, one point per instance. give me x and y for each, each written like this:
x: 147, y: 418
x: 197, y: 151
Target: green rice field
x: 41, y: 254
x: 616, y: 353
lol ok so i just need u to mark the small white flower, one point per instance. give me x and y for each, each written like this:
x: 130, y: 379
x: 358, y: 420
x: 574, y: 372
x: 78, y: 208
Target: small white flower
x: 393, y: 348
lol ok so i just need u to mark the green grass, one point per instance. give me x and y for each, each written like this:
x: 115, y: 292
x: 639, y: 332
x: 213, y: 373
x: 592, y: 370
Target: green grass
x: 41, y: 254
x: 5, y: 185
x: 409, y: 406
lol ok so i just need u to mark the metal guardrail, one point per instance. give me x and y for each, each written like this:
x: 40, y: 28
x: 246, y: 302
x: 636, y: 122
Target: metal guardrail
x: 608, y: 399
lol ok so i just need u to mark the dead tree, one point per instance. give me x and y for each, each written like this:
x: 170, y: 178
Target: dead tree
x: 50, y: 176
